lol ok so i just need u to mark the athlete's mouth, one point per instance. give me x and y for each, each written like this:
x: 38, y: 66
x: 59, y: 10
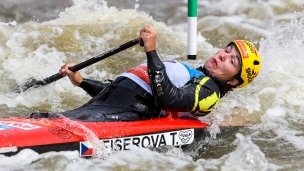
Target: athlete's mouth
x: 214, y: 61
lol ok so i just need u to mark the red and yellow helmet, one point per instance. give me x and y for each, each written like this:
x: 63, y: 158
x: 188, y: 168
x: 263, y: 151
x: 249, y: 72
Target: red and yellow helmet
x: 251, y: 61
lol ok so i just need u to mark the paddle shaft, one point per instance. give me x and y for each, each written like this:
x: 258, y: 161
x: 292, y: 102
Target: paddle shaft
x: 91, y: 61
x: 82, y: 65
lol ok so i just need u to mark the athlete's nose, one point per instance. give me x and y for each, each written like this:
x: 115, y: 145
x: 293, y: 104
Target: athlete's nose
x: 223, y: 57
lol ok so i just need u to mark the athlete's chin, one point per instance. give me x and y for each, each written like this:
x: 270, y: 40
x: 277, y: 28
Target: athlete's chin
x: 209, y: 67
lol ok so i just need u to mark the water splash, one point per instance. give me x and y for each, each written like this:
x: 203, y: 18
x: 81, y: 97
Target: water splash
x: 247, y: 156
x: 99, y: 148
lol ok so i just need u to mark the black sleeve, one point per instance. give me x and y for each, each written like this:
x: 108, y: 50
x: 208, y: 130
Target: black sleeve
x: 198, y: 96
x: 92, y: 87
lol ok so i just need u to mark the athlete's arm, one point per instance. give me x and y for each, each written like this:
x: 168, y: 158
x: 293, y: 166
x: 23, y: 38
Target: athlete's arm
x: 92, y: 87
x: 198, y: 96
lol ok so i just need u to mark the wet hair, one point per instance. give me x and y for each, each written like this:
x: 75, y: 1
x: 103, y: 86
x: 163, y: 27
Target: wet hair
x: 238, y: 77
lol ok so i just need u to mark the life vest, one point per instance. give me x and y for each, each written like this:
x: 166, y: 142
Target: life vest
x: 178, y: 73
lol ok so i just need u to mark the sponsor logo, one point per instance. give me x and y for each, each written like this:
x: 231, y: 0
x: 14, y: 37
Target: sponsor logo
x: 173, y: 138
x: 242, y: 49
x: 185, y: 136
x: 12, y: 124
x: 62, y: 133
x: 158, y: 79
x: 250, y: 75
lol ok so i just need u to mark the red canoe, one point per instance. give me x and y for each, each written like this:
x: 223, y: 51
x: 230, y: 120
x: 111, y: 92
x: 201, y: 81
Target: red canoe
x: 62, y: 134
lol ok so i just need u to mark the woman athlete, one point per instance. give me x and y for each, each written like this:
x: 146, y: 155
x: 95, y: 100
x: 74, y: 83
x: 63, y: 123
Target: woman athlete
x: 166, y: 87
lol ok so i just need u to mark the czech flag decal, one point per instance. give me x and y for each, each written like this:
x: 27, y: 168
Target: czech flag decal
x: 86, y: 149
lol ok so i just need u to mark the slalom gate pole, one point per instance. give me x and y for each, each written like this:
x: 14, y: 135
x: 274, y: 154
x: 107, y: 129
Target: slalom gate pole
x: 192, y: 29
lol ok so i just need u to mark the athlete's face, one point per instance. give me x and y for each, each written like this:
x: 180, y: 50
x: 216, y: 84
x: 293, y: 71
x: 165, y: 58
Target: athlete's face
x: 225, y: 64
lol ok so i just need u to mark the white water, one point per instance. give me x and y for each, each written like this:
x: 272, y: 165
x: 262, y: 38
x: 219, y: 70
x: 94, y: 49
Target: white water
x: 271, y: 108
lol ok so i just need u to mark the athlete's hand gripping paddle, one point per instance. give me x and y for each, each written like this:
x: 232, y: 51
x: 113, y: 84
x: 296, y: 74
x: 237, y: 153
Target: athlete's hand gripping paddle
x: 32, y: 82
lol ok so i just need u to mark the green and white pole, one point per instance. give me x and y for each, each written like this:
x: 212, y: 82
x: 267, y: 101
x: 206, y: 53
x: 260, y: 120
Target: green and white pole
x: 192, y: 29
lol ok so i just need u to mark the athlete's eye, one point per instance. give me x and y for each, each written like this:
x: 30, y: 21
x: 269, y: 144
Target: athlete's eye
x: 228, y: 49
x: 232, y: 61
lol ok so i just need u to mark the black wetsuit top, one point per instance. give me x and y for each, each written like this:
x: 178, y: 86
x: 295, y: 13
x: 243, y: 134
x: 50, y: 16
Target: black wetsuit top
x: 123, y: 99
x: 198, y: 96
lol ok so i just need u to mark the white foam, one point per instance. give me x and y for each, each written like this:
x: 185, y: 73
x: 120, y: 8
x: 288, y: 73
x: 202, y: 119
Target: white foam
x: 247, y: 156
x: 275, y: 98
x: 24, y: 157
x: 276, y: 112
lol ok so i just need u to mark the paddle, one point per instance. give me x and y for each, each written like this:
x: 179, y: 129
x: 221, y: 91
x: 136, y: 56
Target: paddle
x: 32, y: 82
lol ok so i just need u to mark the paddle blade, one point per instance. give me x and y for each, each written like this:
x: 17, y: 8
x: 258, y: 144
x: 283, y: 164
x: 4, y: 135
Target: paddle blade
x: 31, y: 82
